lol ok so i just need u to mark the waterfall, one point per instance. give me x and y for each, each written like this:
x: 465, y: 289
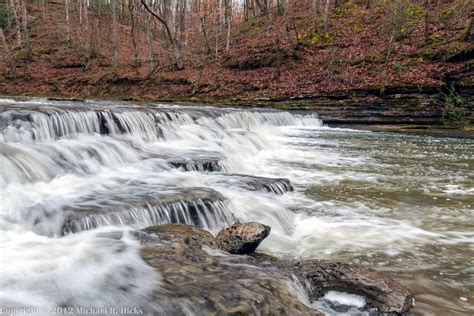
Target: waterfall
x: 77, y: 179
x: 50, y: 146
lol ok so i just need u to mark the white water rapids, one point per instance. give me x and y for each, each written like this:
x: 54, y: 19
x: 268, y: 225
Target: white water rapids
x: 76, y: 177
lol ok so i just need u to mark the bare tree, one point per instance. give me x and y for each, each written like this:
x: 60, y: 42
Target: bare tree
x: 262, y: 6
x: 177, y: 61
x: 427, y: 27
x: 115, y: 35
x: 15, y: 7
x: 136, y: 53
x: 316, y: 12
x: 68, y: 26
x: 24, y: 20
x: 227, y: 23
x: 327, y: 3
x: 10, y: 61
x: 151, y: 41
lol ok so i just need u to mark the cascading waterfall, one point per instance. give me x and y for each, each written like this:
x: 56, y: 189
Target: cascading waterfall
x: 75, y: 171
x: 77, y: 177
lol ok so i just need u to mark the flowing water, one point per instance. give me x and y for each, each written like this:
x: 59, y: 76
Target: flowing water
x: 77, y: 177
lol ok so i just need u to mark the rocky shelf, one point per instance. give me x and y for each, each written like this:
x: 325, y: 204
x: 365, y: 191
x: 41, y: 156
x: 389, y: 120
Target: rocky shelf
x: 200, y: 277
x: 202, y: 207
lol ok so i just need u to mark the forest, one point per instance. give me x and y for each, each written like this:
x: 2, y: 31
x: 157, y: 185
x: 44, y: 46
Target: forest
x: 231, y: 50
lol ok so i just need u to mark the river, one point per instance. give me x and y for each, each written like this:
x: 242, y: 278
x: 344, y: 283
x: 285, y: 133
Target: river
x: 72, y: 173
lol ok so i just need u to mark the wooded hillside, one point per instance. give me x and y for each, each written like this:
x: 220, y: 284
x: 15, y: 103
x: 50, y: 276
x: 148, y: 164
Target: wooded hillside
x: 231, y: 49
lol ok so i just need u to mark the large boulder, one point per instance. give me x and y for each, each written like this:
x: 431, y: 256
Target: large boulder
x: 198, y: 278
x: 242, y: 238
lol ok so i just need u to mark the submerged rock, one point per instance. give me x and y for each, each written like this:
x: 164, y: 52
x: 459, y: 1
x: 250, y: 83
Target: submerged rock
x: 242, y: 238
x: 201, y: 279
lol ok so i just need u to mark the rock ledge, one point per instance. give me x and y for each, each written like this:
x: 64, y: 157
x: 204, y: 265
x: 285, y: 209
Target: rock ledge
x: 200, y: 278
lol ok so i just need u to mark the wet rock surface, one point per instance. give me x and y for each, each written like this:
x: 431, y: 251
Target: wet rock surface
x: 274, y: 185
x: 199, y: 278
x: 380, y: 292
x: 199, y: 164
x: 202, y: 207
x: 242, y: 238
x: 390, y: 106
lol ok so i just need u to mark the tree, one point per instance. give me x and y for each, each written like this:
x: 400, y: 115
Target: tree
x: 88, y: 35
x: 136, y: 53
x: 115, y: 35
x: 262, y: 6
x: 316, y: 12
x: 427, y: 27
x: 24, y: 20
x: 177, y: 61
x: 68, y: 26
x: 327, y: 3
x: 16, y: 8
x: 227, y: 23
x: 10, y: 61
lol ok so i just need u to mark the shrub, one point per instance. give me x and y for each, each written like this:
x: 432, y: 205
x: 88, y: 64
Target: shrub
x: 454, y: 109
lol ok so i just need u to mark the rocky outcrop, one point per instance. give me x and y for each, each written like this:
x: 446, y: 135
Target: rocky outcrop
x: 199, y: 278
x: 274, y: 185
x: 242, y: 238
x: 199, y: 164
x: 201, y: 207
x: 380, y: 292
x: 391, y: 106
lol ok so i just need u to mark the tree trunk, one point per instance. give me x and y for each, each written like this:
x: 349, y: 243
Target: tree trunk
x: 68, y: 26
x: 228, y: 20
x: 87, y: 39
x: 16, y: 9
x: 151, y: 42
x: 115, y: 39
x: 178, y: 63
x: 262, y: 6
x: 80, y: 12
x: 316, y: 11
x: 427, y: 27
x: 326, y: 15
x: 11, y: 63
x: 217, y: 28
x: 278, y: 60
x: 204, y: 34
x: 136, y: 59
x: 24, y: 20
